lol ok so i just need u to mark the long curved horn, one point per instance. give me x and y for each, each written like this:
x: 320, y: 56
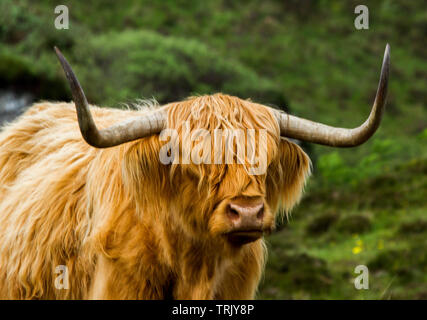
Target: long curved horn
x: 306, y: 130
x: 129, y: 130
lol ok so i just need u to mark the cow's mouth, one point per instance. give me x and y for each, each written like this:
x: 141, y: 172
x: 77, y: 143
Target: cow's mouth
x: 241, y: 237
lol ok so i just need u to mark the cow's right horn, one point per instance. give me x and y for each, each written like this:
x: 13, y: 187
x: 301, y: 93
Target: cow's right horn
x: 306, y: 130
x: 129, y: 130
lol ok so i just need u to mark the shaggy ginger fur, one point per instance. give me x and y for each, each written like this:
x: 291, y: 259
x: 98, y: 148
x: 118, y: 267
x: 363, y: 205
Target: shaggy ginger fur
x: 125, y: 225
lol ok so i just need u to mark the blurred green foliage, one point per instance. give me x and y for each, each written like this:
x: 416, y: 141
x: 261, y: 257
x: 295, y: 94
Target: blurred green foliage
x: 147, y: 64
x: 336, y: 172
x: 381, y: 224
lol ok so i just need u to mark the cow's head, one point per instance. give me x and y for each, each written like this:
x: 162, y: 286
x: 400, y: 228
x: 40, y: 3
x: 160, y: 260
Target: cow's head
x: 224, y: 165
x: 230, y: 169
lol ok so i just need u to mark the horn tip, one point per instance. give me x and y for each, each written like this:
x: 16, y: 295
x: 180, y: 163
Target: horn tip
x: 57, y: 51
x: 386, y: 61
x: 60, y: 56
x: 387, y: 52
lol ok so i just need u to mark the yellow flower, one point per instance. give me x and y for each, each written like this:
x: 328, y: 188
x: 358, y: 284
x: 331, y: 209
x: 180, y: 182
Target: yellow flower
x: 357, y: 250
x: 380, y: 245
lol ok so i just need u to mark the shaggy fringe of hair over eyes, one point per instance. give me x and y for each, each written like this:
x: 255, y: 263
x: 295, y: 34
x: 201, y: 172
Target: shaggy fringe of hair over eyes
x: 126, y: 226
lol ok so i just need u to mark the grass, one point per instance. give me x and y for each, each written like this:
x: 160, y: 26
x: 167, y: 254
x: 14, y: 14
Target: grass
x: 393, y: 245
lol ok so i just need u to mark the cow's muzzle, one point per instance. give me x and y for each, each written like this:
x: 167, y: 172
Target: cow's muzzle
x: 246, y: 218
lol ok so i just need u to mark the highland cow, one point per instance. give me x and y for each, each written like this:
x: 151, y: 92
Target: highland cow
x: 128, y: 226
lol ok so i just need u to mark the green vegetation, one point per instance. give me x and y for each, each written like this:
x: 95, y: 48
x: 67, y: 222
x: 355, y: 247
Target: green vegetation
x: 381, y: 223
x: 167, y: 68
x: 362, y: 206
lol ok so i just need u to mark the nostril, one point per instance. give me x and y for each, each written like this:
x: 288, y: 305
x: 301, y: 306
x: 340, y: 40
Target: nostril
x: 260, y: 213
x: 233, y: 213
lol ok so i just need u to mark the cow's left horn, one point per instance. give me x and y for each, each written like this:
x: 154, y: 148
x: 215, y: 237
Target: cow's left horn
x: 306, y: 130
x: 125, y: 131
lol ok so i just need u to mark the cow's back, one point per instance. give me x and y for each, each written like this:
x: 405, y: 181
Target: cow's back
x: 44, y: 211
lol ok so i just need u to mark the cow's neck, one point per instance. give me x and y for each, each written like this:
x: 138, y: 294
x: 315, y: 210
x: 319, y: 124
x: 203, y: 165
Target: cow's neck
x: 198, y: 266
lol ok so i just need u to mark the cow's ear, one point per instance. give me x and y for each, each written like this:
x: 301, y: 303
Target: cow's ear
x: 287, y: 175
